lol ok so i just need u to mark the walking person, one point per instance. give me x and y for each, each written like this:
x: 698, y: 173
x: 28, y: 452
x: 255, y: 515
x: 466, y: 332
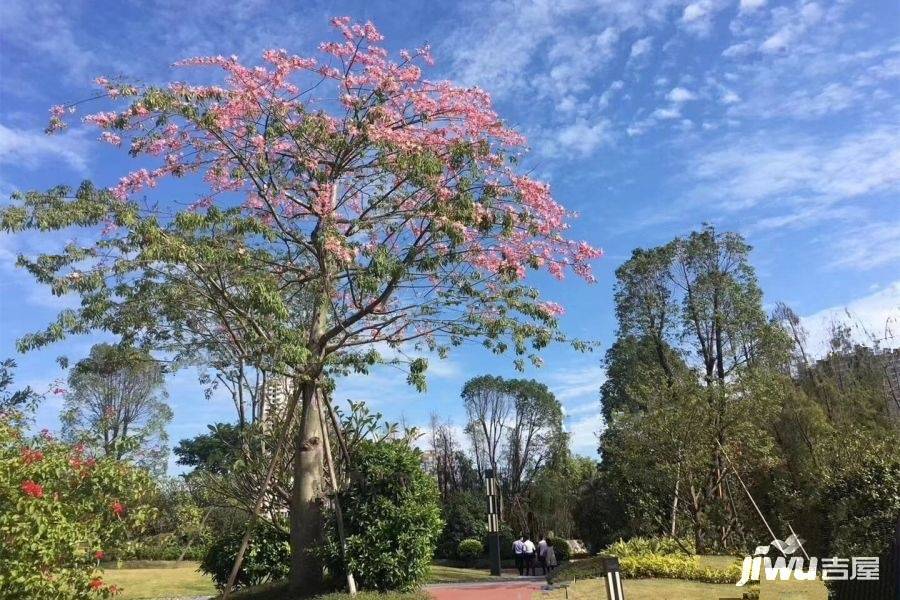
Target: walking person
x: 550, y: 561
x: 542, y: 554
x: 529, y: 556
x: 519, y: 552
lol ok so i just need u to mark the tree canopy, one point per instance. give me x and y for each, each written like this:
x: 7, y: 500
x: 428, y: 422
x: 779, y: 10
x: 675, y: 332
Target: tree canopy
x: 116, y: 402
x: 346, y: 203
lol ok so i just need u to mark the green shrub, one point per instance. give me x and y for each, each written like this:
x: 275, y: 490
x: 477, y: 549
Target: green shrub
x: 863, y: 505
x: 392, y: 519
x: 160, y: 547
x: 470, y: 549
x: 561, y: 549
x: 463, y: 514
x: 646, y: 566
x: 638, y: 546
x: 507, y: 537
x: 267, y: 557
x: 61, y: 511
x: 675, y: 566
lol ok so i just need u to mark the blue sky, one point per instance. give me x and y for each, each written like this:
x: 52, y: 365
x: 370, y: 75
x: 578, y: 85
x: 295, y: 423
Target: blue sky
x: 780, y: 120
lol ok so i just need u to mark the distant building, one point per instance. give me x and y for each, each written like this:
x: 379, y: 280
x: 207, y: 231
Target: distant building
x: 849, y: 366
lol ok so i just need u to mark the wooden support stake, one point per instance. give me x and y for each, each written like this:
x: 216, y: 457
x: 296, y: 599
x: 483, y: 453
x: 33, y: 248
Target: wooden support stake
x: 267, y: 481
x: 332, y: 476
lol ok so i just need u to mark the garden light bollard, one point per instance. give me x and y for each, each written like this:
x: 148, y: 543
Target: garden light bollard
x: 492, y: 491
x: 614, y: 589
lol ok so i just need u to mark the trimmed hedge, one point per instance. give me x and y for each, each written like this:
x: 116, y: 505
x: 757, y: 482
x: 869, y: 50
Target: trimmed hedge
x: 676, y: 566
x: 666, y: 566
x: 638, y: 546
x: 469, y: 550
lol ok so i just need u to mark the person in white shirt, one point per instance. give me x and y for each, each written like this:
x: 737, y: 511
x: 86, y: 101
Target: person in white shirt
x: 542, y: 554
x: 519, y: 552
x: 529, y: 556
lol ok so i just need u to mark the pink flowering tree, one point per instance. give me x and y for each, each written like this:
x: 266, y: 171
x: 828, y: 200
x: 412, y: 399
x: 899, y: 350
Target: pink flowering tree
x: 330, y: 207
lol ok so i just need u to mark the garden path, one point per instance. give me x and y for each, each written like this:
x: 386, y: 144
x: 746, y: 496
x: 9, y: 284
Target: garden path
x: 517, y: 589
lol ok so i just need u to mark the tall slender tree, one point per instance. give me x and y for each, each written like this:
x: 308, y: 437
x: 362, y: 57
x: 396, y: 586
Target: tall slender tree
x: 694, y: 343
x: 116, y: 402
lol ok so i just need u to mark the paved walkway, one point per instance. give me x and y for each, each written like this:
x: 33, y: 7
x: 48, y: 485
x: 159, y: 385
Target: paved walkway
x: 522, y: 588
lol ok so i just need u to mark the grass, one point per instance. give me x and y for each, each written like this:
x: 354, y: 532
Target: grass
x: 278, y: 591
x: 165, y: 581
x: 170, y: 579
x: 793, y: 590
x: 675, y: 589
x: 441, y: 574
x: 643, y: 589
x: 717, y: 561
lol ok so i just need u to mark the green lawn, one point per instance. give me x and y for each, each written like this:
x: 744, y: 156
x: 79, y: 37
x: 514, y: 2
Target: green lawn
x: 182, y: 579
x: 718, y: 561
x: 171, y: 579
x: 643, y: 589
x: 440, y: 574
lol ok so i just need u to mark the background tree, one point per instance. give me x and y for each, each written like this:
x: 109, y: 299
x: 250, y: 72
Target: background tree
x: 116, y: 403
x: 488, y: 405
x: 389, y: 212
x: 215, y: 451
x: 459, y: 484
x: 705, y: 389
x: 686, y: 380
x: 515, y: 428
x: 535, y: 440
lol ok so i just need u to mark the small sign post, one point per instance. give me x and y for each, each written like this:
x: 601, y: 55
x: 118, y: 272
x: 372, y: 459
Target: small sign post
x: 614, y: 589
x: 492, y: 491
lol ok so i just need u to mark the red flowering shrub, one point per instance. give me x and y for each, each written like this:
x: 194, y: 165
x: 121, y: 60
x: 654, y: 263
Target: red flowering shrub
x: 33, y: 489
x: 59, y: 510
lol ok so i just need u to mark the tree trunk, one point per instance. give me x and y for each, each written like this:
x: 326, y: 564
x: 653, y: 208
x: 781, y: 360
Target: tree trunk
x: 675, y: 500
x: 307, y: 497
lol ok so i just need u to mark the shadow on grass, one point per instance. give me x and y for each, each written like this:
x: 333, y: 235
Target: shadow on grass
x: 280, y: 591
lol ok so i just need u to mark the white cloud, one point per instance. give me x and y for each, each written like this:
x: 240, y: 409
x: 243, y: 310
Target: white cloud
x: 641, y: 48
x: 873, y: 244
x: 752, y: 5
x: 575, y: 383
x: 680, y: 94
x: 730, y: 97
x: 580, y: 137
x: 738, y: 50
x: 784, y: 166
x: 796, y: 24
x: 46, y: 29
x: 583, y: 435
x: 666, y: 113
x: 33, y: 149
x: 874, y: 316
x: 697, y: 17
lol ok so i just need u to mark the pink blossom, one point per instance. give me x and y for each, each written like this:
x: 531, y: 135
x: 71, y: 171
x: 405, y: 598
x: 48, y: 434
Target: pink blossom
x: 552, y: 309
x: 302, y: 154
